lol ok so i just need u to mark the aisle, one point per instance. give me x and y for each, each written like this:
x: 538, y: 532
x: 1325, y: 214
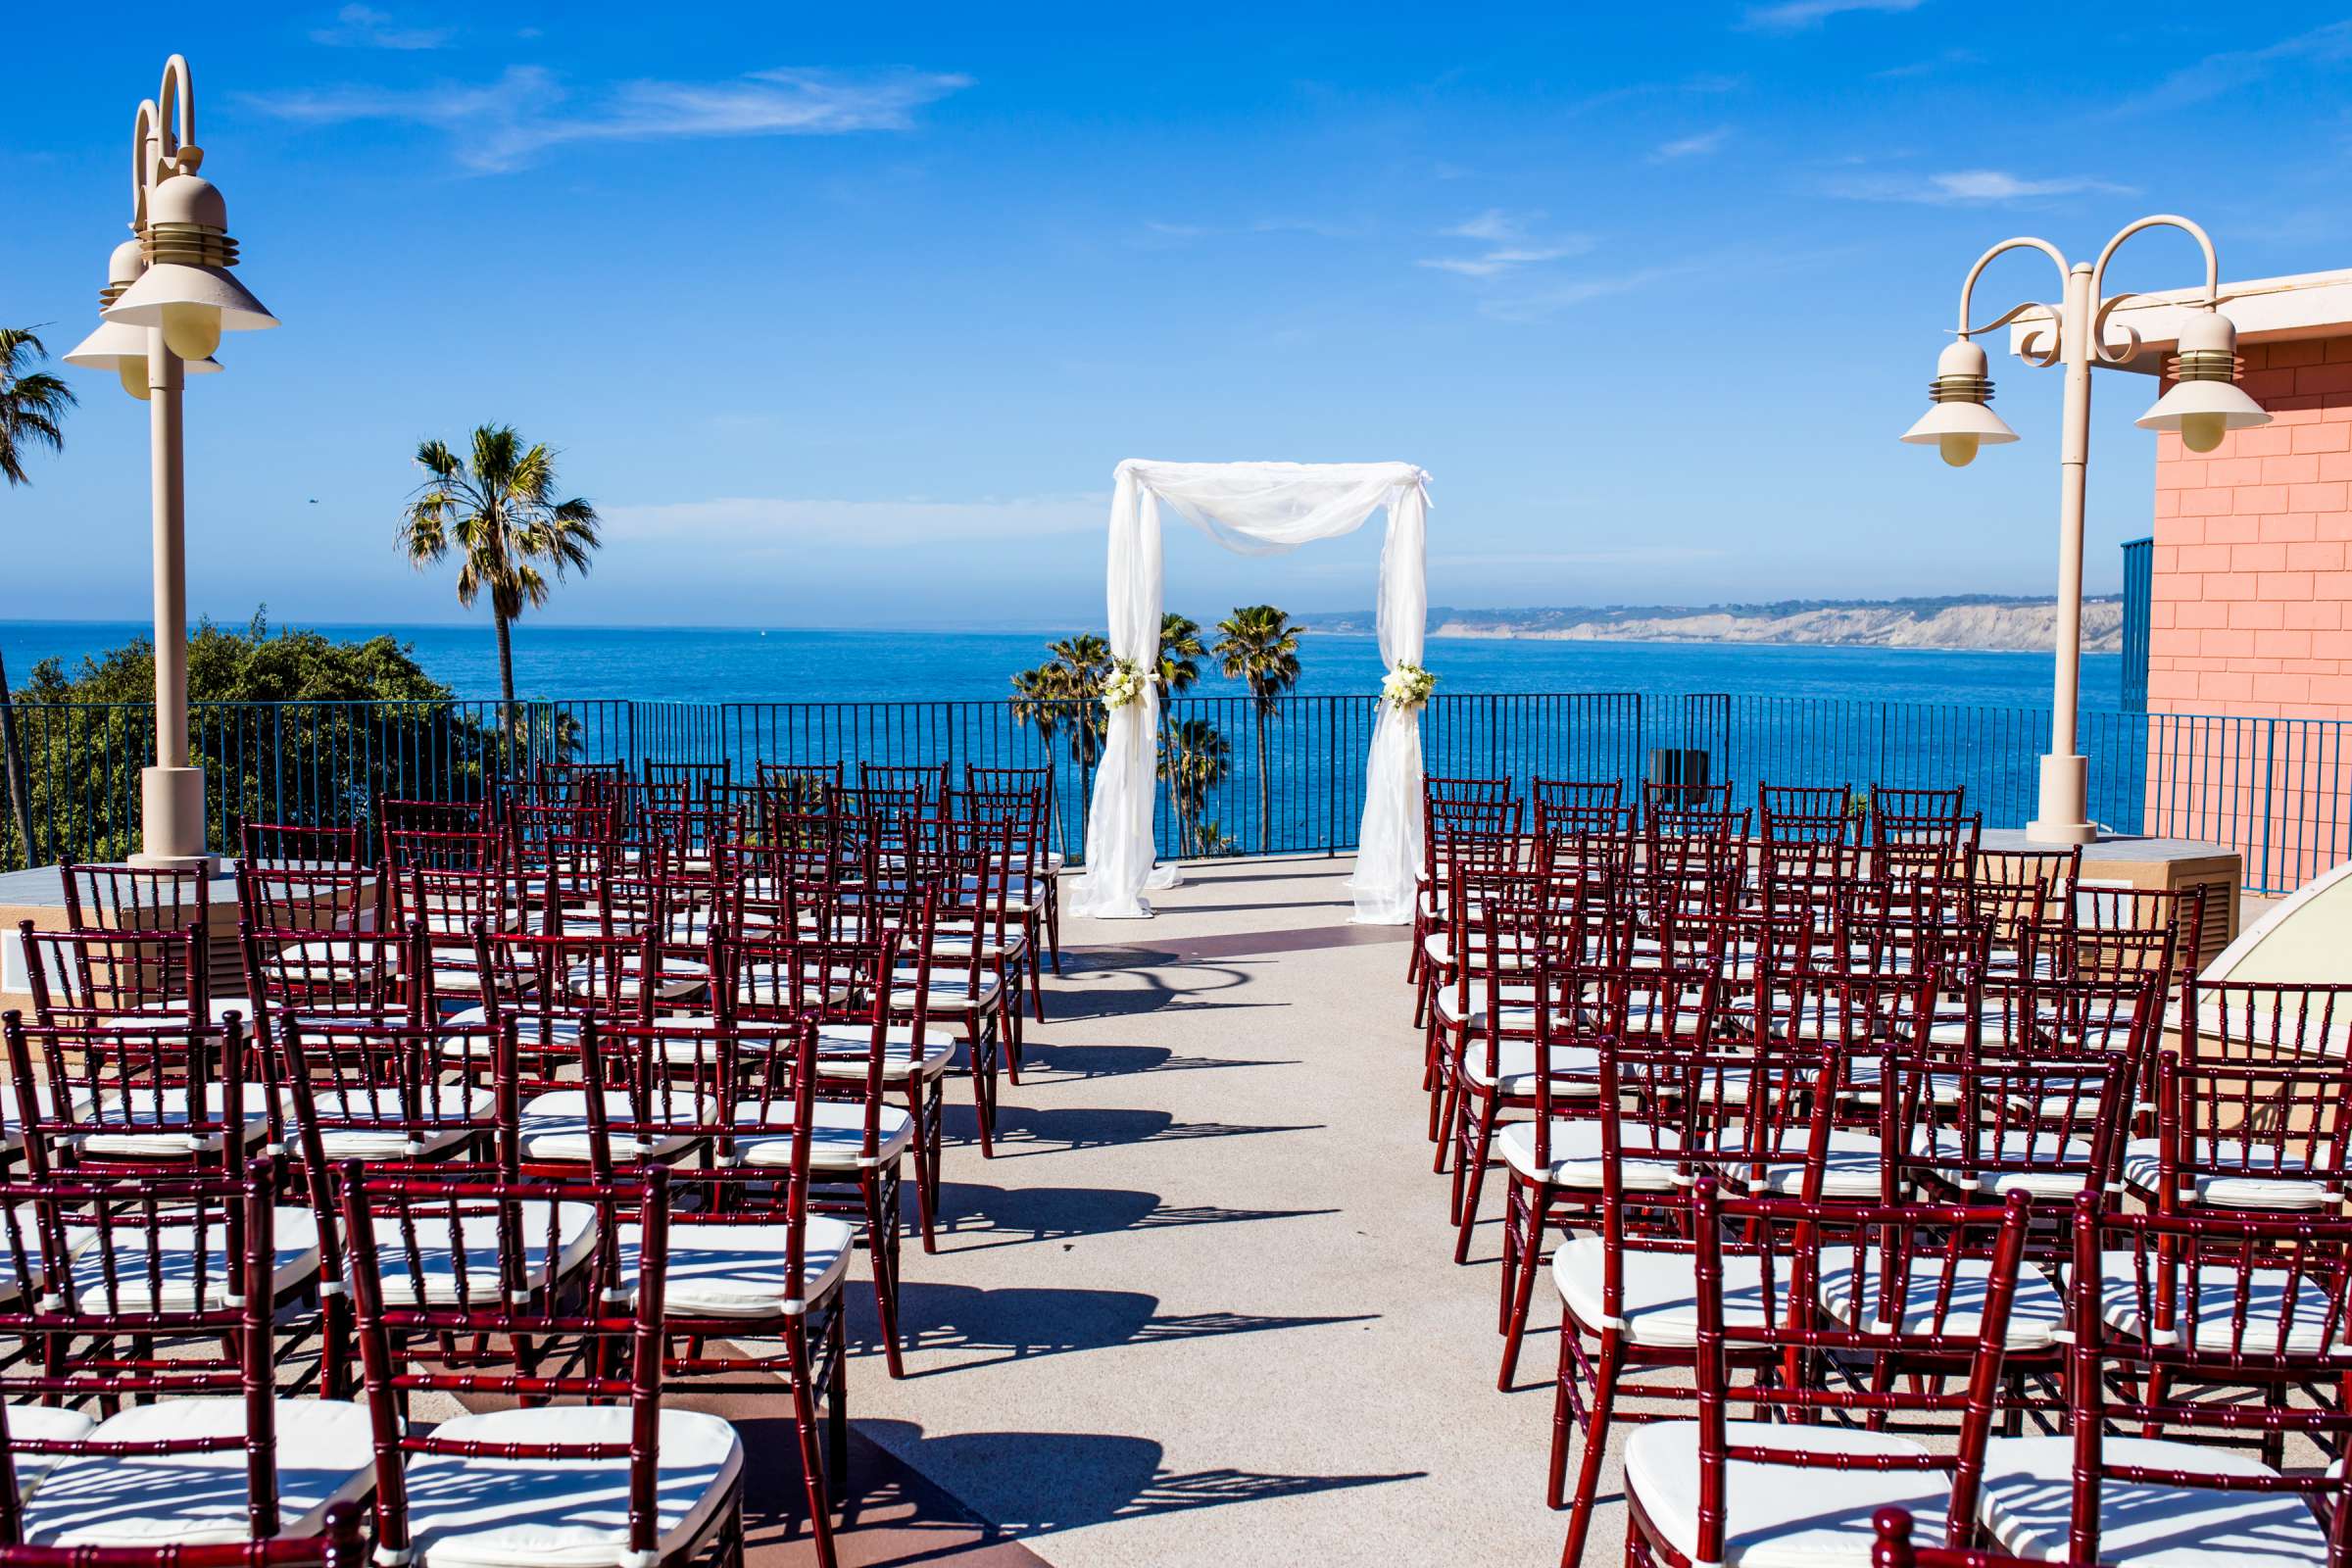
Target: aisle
x: 1201, y: 1309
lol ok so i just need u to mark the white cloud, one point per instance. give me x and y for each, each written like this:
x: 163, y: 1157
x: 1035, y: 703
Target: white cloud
x: 748, y: 525
x: 1791, y: 14
x: 1982, y: 187
x: 359, y: 27
x: 1508, y: 245
x: 506, y: 124
x: 1698, y: 146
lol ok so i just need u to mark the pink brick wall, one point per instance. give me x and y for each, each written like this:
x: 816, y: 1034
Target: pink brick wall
x: 2252, y: 581
x: 2251, y: 578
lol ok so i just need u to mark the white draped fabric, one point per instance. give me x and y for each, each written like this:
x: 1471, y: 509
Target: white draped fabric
x: 1258, y: 508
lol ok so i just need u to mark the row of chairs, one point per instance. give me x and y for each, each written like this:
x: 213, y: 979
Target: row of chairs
x: 1778, y: 1053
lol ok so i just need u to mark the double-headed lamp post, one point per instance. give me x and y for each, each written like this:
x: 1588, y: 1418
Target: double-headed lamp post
x: 2204, y: 404
x: 169, y: 297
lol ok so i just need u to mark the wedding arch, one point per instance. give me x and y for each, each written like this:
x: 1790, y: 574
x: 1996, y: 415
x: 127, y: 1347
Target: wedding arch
x: 1258, y: 508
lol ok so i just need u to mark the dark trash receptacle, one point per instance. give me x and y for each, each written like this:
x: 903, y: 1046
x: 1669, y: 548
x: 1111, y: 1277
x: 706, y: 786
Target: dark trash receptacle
x: 1683, y: 770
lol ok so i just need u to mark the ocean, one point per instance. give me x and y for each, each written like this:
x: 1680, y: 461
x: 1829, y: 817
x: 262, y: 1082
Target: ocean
x: 721, y: 665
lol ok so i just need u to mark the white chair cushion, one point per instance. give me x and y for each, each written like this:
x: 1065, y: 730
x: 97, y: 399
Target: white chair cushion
x: 2037, y: 1311
x: 1852, y: 1168
x: 2217, y: 1295
x: 947, y: 993
x: 452, y: 1116
x: 1515, y: 1061
x: 838, y: 1139
x: 1576, y: 1158
x: 164, y: 1109
x: 1661, y: 1291
x: 555, y: 1126
x: 324, y: 1456
x: 563, y: 1513
x: 898, y: 1056
x: 1518, y: 1007
x: 2269, y: 1186
x: 1780, y: 1516
x: 740, y: 1270
x: 2027, y: 1504
x: 434, y: 1278
x: 44, y: 1424
x: 555, y: 1031
x: 2020, y: 1144
x: 294, y: 1243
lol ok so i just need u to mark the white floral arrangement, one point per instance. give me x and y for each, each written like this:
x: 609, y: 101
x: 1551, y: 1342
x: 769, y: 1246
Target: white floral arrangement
x: 1123, y: 685
x: 1407, y: 687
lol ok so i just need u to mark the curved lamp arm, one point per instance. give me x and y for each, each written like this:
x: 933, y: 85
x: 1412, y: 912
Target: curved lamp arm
x: 2121, y: 353
x: 175, y: 104
x: 143, y: 158
x: 2043, y: 357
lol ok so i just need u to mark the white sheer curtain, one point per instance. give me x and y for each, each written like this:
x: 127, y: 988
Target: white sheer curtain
x: 1258, y: 508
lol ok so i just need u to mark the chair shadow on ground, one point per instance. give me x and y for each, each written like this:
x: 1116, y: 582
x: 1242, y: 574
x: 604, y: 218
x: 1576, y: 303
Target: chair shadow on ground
x: 973, y: 1217
x: 1046, y: 1064
x: 1024, y: 1132
x: 980, y: 1328
x: 1083, y: 998
x: 1030, y: 1484
x: 973, y: 1496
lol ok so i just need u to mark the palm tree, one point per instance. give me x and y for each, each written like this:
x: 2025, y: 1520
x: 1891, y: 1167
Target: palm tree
x: 1195, y: 761
x: 1259, y: 647
x: 1065, y: 690
x: 498, y: 510
x: 31, y: 402
x: 1180, y: 653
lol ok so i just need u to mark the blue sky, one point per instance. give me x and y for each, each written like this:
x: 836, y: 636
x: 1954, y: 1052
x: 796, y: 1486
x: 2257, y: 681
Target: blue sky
x: 844, y: 315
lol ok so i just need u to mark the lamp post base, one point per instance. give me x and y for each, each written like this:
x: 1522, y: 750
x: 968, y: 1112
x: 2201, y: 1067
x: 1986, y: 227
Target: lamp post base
x: 2061, y: 820
x: 172, y: 819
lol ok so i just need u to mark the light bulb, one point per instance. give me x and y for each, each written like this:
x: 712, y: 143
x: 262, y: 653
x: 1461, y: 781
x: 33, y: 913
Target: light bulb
x: 192, y: 331
x: 2202, y: 432
x: 134, y: 376
x: 1958, y: 450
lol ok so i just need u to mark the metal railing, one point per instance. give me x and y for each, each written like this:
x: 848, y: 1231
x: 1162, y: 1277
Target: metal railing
x: 1236, y: 780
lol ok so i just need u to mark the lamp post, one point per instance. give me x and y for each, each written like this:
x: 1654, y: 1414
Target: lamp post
x: 169, y: 297
x: 2204, y: 404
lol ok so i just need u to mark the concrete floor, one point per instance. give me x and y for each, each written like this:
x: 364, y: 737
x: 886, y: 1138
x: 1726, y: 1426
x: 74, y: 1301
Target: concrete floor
x: 1202, y: 1308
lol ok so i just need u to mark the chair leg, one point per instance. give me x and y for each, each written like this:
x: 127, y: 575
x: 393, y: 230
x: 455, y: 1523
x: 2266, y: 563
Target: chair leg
x: 1475, y: 1151
x: 881, y: 1238
x: 1597, y: 1444
x: 926, y: 1182
x: 1530, y: 1261
x: 984, y: 1080
x: 1054, y: 923
x: 804, y: 1420
x: 1009, y: 1029
x: 837, y: 1408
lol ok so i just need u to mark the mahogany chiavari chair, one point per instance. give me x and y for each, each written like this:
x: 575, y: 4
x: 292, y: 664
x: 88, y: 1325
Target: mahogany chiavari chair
x: 1578, y: 1153
x: 1549, y: 798
x: 1470, y: 840
x: 1856, y: 1288
x: 2018, y: 892
x: 1027, y: 893
x: 1037, y: 782
x: 168, y: 1098
x: 151, y: 1296
x: 2254, y: 1109
x: 1477, y: 831
x: 546, y: 987
x: 1820, y: 814
x: 1912, y: 835
x: 1689, y: 808
x: 2210, y: 1299
x: 745, y: 1259
x: 805, y: 788
x: 961, y: 977
x: 928, y: 780
x: 612, y: 1472
x: 339, y: 1548
x: 1630, y: 1285
x: 1493, y: 1017
x: 137, y: 979
x: 134, y: 898
x: 1481, y: 801
x: 302, y: 844
x: 396, y: 1097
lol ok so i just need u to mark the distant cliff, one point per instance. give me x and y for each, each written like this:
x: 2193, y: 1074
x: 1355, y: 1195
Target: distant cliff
x: 2007, y: 624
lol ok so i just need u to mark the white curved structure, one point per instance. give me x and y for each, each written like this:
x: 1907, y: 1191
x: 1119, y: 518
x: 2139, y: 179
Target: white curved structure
x: 2306, y: 939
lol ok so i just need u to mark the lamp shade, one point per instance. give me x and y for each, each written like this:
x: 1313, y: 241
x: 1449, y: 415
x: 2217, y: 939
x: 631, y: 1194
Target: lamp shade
x: 112, y: 343
x: 1959, y: 419
x: 2205, y: 402
x: 167, y: 284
